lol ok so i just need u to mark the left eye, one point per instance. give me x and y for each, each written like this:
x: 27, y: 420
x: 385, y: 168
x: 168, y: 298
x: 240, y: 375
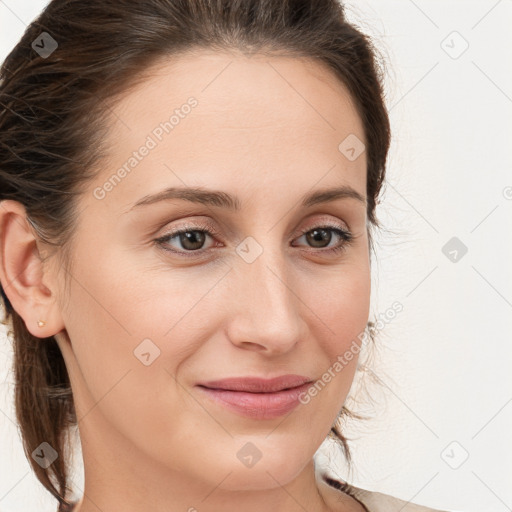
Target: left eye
x: 319, y: 235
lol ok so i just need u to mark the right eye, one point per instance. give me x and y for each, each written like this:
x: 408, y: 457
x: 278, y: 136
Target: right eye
x: 191, y: 239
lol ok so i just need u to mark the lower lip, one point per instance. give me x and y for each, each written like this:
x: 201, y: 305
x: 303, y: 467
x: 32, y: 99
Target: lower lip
x: 261, y: 406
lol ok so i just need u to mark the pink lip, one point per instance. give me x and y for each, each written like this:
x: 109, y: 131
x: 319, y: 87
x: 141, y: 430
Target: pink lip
x: 258, y: 398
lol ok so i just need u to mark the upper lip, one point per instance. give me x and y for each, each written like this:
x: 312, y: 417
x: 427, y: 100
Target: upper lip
x: 257, y: 384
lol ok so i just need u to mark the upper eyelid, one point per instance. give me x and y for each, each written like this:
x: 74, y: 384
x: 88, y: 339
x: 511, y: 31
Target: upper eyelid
x: 325, y: 219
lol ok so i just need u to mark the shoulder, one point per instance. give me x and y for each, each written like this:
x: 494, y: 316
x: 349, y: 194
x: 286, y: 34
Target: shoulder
x: 376, y: 501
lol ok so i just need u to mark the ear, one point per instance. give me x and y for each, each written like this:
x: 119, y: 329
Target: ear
x: 22, y: 272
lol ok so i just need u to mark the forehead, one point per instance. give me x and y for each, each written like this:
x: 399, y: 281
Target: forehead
x: 256, y: 121
x: 240, y: 91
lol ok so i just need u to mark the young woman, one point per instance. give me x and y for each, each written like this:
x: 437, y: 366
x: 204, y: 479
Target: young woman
x: 188, y: 191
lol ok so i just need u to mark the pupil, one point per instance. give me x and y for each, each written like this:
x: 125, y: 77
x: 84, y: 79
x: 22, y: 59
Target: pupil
x: 192, y: 239
x: 319, y: 235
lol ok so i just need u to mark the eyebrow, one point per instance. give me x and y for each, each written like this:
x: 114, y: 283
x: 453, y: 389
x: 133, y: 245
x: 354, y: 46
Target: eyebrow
x: 222, y: 199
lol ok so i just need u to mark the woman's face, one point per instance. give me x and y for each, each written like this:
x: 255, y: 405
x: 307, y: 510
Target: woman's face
x: 261, y: 295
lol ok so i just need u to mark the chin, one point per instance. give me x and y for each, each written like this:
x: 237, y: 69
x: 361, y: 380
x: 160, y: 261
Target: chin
x: 257, y: 469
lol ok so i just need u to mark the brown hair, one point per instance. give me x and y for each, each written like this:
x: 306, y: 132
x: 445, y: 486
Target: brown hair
x: 54, y: 108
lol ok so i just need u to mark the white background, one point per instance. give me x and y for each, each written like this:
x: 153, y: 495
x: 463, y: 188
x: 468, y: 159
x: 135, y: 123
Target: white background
x: 445, y: 359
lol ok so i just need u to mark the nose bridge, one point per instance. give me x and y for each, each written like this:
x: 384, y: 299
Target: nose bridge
x: 266, y: 309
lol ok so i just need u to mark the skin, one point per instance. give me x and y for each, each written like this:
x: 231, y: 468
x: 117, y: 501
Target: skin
x: 267, y: 130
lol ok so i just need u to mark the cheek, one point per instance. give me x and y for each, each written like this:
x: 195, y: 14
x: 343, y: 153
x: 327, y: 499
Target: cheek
x: 125, y: 364
x: 341, y: 304
x: 131, y: 328
x: 340, y: 316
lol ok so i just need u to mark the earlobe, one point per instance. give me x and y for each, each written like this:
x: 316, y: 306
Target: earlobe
x: 22, y: 272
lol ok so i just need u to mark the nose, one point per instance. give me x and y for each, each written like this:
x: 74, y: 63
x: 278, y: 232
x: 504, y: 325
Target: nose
x: 265, y: 313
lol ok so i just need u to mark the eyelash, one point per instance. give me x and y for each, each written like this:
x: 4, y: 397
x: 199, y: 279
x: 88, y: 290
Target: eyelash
x: 345, y: 235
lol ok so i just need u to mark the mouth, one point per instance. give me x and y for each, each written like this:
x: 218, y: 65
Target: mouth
x: 255, y: 397
x: 257, y: 384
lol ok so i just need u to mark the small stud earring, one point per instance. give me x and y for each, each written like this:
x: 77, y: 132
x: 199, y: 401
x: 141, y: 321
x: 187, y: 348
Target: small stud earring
x: 41, y: 323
